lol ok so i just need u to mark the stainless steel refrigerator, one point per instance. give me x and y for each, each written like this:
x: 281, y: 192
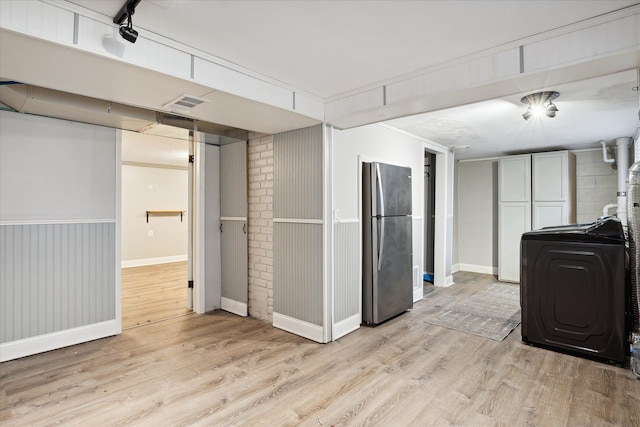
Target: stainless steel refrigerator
x: 387, y: 279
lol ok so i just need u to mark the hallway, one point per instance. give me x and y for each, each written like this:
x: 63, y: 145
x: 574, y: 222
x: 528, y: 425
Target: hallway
x: 153, y: 293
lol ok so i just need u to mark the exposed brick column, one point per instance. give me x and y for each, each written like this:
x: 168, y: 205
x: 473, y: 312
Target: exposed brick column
x: 260, y: 222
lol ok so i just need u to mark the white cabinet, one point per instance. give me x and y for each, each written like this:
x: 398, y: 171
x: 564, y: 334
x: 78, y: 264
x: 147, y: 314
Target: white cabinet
x: 514, y: 212
x: 553, y: 187
x: 515, y: 178
x: 534, y: 191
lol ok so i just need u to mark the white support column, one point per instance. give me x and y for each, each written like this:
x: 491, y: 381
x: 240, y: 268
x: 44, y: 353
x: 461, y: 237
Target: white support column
x: 443, y: 245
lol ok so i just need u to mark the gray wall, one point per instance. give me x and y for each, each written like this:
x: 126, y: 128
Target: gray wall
x: 477, y: 211
x: 596, y: 185
x: 298, y: 256
x: 212, y: 227
x: 346, y: 270
x: 477, y: 214
x: 233, y: 213
x: 55, y: 277
x: 58, y: 225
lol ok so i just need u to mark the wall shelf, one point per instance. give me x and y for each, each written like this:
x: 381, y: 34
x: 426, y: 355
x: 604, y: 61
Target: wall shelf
x: 165, y: 213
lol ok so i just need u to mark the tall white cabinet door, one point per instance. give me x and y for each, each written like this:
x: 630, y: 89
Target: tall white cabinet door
x: 514, y: 175
x: 514, y: 213
x: 550, y: 176
x: 548, y: 214
x: 553, y: 183
x: 233, y: 227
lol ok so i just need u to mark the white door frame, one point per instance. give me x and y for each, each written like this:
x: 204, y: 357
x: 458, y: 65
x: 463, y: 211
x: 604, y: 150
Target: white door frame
x: 196, y: 218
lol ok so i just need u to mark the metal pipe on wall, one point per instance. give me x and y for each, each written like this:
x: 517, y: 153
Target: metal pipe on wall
x: 605, y: 155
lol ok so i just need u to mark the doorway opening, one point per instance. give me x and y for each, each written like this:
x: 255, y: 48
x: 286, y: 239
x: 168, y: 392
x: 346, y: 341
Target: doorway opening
x: 429, y: 220
x: 155, y: 226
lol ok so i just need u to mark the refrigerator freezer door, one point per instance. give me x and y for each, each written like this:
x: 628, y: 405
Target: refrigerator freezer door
x: 392, y: 270
x: 392, y: 190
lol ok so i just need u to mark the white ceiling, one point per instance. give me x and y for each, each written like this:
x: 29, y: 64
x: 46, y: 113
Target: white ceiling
x: 330, y: 48
x: 602, y: 108
x: 140, y: 148
x: 327, y: 48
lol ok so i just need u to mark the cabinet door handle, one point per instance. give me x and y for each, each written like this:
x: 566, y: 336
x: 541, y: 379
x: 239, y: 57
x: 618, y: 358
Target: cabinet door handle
x: 221, y: 227
x: 244, y: 228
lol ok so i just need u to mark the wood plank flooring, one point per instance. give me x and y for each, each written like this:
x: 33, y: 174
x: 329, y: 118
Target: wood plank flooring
x: 153, y: 293
x: 221, y: 369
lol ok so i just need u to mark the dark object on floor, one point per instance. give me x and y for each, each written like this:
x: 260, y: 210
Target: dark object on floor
x: 574, y: 291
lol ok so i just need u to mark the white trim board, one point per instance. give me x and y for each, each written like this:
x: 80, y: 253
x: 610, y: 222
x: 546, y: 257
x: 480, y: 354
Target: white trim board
x: 298, y: 327
x: 346, y: 326
x: 154, y: 261
x: 448, y: 281
x: 55, y: 340
x: 483, y: 269
x: 233, y: 218
x: 233, y: 306
x: 298, y: 221
x: 58, y: 221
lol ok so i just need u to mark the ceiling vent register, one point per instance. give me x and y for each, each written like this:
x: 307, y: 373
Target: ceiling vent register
x: 185, y: 103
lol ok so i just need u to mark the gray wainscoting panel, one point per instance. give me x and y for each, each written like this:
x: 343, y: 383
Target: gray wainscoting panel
x: 234, y: 260
x: 347, y: 270
x: 297, y: 285
x: 298, y: 174
x: 55, y: 277
x: 233, y: 180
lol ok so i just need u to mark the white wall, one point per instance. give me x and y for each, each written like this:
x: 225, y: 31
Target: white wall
x: 260, y: 223
x: 382, y: 144
x: 154, y: 177
x: 372, y: 143
x: 163, y: 238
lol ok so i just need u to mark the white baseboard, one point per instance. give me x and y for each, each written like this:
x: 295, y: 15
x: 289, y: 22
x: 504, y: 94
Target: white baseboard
x: 448, y: 281
x: 41, y: 343
x: 418, y: 294
x: 232, y: 306
x: 298, y: 327
x: 346, y: 326
x: 483, y: 269
x: 154, y: 261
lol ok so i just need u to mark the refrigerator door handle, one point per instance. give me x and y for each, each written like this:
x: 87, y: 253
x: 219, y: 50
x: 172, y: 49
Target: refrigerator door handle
x: 379, y: 188
x: 381, y: 243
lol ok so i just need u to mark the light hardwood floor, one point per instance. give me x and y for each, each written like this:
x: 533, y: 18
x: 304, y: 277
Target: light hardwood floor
x: 153, y: 293
x: 220, y: 369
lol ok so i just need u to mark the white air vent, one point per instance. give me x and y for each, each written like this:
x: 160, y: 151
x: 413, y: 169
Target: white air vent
x: 184, y: 103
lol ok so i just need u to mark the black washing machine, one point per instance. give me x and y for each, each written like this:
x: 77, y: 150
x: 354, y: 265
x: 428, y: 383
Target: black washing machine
x: 573, y: 290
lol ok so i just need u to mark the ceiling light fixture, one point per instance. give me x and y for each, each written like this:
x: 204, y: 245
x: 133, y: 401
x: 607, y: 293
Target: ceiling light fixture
x: 540, y: 103
x: 126, y: 31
